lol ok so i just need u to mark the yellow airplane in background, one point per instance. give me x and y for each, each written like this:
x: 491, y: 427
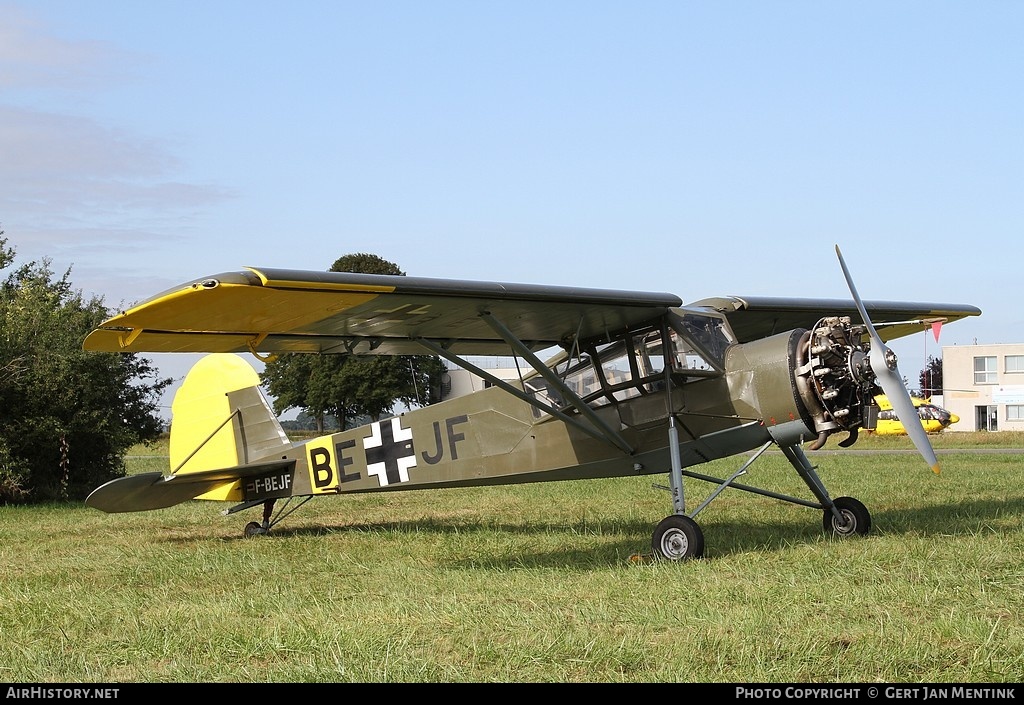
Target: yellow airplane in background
x: 933, y: 417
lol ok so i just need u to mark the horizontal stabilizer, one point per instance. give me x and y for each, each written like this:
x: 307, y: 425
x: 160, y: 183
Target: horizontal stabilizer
x: 153, y: 490
x: 139, y: 493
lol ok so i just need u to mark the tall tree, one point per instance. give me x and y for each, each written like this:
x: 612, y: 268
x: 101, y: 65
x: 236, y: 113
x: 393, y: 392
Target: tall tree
x: 299, y: 381
x: 66, y: 416
x: 351, y: 387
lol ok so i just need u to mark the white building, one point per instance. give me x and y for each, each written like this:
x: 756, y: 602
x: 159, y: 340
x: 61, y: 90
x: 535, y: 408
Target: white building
x: 457, y: 382
x: 984, y: 386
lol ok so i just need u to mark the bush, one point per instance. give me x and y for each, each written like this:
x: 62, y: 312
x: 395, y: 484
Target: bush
x: 66, y: 416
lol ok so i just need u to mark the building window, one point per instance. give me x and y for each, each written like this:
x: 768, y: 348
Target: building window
x: 985, y: 370
x: 1014, y: 363
x: 1015, y: 412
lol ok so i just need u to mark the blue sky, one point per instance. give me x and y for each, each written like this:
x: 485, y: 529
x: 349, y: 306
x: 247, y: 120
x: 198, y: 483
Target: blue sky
x: 701, y: 148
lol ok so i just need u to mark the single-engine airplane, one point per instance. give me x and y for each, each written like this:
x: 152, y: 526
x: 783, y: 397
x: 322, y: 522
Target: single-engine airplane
x: 641, y: 384
x: 933, y: 417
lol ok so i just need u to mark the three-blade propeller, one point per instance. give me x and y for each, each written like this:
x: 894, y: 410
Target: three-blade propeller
x: 883, y: 365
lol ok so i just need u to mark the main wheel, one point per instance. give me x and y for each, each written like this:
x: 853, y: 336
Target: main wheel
x: 677, y: 537
x: 856, y: 518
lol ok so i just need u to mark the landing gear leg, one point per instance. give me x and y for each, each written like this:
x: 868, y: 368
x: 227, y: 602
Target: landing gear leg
x: 845, y: 516
x: 677, y: 537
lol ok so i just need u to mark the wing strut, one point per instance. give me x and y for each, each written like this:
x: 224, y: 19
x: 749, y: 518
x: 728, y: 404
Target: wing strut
x: 675, y: 472
x: 546, y: 372
x: 518, y: 393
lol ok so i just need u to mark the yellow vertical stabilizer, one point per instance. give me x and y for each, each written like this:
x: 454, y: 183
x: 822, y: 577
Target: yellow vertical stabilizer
x: 220, y: 418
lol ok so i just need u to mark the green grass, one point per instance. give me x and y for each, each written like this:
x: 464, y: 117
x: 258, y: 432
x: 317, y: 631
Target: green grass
x: 535, y: 583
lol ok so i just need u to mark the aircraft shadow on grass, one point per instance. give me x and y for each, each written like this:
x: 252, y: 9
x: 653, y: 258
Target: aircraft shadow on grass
x: 766, y: 535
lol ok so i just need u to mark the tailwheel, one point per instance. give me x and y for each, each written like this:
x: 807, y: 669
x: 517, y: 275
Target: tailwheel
x: 855, y: 518
x: 677, y: 537
x: 254, y: 528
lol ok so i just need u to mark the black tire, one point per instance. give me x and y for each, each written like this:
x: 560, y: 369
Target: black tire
x: 858, y: 519
x: 253, y: 529
x: 677, y: 537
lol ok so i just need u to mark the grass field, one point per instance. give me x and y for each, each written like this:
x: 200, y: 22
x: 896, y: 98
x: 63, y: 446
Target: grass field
x: 534, y: 583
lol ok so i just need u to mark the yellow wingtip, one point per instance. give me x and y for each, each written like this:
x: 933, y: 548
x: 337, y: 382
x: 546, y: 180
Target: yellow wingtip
x: 935, y: 468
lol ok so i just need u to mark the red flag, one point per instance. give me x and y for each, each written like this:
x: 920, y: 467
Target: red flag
x: 935, y: 329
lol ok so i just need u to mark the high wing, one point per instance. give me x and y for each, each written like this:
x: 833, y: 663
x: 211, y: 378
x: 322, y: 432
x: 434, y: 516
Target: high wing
x: 275, y: 310
x: 264, y: 311
x: 756, y: 317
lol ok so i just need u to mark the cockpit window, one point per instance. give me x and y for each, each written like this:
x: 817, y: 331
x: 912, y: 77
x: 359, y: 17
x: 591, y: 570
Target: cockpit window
x: 631, y: 364
x: 711, y: 336
x: 686, y: 346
